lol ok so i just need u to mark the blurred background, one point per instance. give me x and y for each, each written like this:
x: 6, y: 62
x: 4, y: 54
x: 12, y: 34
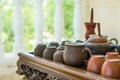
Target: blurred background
x: 28, y: 9
x: 25, y: 23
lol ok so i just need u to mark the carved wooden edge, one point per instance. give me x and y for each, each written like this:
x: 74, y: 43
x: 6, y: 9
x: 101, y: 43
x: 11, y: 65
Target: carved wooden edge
x: 55, y: 70
x: 33, y: 72
x: 43, y: 68
x: 19, y: 69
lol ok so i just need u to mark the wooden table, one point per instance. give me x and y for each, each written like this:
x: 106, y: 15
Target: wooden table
x: 37, y: 68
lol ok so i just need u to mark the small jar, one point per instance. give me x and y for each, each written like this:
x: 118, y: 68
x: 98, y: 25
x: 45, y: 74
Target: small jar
x: 95, y: 63
x: 38, y: 51
x: 48, y: 52
x: 58, y: 56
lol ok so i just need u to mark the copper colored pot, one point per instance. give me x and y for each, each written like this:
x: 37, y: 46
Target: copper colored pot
x: 111, y: 68
x: 95, y: 63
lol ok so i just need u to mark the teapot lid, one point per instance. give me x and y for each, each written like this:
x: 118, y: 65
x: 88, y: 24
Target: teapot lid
x: 97, y: 39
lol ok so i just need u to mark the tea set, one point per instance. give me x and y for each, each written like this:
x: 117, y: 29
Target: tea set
x: 96, y: 53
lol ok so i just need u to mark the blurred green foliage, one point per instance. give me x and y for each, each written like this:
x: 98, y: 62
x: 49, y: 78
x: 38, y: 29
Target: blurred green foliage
x: 28, y: 16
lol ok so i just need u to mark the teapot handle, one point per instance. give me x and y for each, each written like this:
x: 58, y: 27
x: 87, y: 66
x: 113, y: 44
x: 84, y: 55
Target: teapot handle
x: 88, y: 52
x: 113, y: 39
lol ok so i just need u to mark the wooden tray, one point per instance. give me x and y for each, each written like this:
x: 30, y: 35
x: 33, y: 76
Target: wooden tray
x: 52, y: 70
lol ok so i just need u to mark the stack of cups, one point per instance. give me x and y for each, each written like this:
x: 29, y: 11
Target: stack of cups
x: 108, y: 65
x: 111, y: 66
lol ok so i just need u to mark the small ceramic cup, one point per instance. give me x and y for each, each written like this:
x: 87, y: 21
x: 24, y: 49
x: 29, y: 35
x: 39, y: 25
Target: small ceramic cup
x: 95, y: 63
x: 111, y: 68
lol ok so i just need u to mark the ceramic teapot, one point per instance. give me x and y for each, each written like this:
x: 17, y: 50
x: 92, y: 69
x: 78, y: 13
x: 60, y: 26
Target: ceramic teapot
x: 99, y: 48
x: 100, y: 44
x: 75, y: 54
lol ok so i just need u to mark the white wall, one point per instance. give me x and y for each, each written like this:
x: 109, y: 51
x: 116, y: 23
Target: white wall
x: 107, y: 12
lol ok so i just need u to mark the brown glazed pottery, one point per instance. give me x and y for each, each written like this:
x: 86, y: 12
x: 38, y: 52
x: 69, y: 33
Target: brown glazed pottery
x: 74, y: 54
x: 111, y: 68
x: 48, y: 52
x: 95, y: 63
x: 110, y: 55
x: 39, y: 49
x: 58, y: 55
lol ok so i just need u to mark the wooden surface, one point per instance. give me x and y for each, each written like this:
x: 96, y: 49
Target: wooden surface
x: 57, y: 70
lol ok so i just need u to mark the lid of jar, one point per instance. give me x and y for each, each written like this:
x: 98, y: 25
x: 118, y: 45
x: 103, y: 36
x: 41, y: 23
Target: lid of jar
x: 51, y: 47
x: 60, y: 47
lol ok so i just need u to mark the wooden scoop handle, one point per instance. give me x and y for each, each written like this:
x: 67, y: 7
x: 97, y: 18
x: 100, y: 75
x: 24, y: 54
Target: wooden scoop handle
x: 99, y: 31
